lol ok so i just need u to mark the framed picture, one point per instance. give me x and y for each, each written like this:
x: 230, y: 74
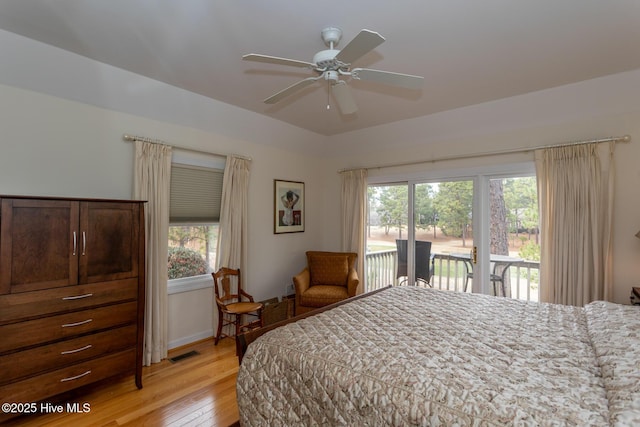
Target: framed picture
x: 288, y: 206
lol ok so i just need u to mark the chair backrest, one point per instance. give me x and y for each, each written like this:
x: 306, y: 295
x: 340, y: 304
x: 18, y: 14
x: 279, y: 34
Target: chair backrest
x: 330, y: 268
x: 227, y: 285
x: 422, y: 259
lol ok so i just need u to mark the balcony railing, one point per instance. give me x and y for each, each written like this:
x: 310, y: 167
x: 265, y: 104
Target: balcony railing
x: 450, y: 274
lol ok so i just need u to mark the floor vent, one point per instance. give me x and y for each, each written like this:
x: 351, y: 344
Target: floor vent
x: 183, y: 356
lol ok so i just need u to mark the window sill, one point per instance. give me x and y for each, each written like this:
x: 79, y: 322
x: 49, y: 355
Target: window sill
x: 188, y: 284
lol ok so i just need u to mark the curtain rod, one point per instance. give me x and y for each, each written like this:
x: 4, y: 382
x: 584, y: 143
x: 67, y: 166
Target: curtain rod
x: 625, y: 138
x: 131, y: 138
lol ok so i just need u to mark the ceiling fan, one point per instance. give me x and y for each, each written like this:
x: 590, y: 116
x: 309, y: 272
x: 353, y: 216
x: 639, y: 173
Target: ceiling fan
x: 332, y: 63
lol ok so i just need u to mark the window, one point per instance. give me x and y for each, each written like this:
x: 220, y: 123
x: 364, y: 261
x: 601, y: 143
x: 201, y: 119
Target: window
x: 194, y: 216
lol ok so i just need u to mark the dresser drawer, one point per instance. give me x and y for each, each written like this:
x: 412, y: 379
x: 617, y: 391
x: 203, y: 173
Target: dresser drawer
x: 49, y: 384
x: 40, y: 331
x: 25, y: 305
x: 64, y: 353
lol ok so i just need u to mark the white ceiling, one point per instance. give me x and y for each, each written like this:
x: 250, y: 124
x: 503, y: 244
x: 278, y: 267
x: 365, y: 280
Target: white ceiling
x: 468, y: 51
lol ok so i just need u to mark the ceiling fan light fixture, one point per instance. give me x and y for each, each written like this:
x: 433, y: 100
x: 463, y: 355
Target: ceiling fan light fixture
x: 331, y: 76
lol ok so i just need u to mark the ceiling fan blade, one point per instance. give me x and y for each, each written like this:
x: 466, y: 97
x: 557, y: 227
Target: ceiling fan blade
x: 343, y: 97
x: 290, y: 90
x: 387, y: 77
x: 361, y: 44
x: 275, y: 60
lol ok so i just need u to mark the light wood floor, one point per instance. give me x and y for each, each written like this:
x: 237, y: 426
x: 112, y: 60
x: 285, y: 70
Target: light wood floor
x: 199, y: 390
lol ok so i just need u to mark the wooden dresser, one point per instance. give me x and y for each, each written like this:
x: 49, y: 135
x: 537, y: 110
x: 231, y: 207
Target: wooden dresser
x: 71, y: 294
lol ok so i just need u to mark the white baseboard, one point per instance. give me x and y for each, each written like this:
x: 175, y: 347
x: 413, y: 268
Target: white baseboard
x: 191, y: 338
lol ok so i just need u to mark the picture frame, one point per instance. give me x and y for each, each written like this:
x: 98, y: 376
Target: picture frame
x: 288, y: 206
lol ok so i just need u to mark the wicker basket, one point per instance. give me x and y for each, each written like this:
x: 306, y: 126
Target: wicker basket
x: 274, y: 311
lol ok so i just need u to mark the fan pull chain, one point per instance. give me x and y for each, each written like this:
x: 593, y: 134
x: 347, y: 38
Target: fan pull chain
x: 329, y: 81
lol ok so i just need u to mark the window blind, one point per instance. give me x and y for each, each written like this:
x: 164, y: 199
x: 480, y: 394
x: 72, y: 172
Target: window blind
x: 195, y: 194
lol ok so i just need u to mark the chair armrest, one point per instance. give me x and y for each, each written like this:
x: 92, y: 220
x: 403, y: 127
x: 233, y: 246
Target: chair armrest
x: 246, y: 295
x: 301, y: 281
x: 353, y: 283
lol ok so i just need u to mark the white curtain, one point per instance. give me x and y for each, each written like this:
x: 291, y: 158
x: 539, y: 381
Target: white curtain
x: 232, y: 237
x: 575, y: 191
x: 354, y: 215
x: 151, y: 183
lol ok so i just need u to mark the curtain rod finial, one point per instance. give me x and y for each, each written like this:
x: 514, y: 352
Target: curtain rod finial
x: 626, y: 138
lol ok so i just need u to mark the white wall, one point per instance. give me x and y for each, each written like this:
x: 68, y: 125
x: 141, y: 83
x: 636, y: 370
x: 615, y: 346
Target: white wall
x: 50, y: 146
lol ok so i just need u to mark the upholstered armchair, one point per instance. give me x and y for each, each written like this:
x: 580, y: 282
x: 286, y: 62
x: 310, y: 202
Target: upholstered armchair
x: 328, y: 277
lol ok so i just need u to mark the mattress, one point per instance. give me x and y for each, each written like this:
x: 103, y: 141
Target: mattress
x: 411, y: 356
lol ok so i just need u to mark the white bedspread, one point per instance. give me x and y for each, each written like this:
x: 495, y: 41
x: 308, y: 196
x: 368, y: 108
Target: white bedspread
x: 413, y: 356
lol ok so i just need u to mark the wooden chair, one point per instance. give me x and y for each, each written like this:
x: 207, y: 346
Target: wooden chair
x: 233, y: 306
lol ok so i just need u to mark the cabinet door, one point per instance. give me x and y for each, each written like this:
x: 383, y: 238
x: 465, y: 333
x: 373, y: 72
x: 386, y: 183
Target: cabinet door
x: 108, y: 241
x: 38, y: 242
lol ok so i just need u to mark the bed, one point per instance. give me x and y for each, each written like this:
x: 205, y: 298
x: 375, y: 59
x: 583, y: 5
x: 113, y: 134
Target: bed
x: 411, y: 356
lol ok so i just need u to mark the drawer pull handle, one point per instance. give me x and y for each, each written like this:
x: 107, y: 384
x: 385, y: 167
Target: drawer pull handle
x: 75, y: 378
x: 86, y: 347
x: 77, y: 297
x: 84, y: 322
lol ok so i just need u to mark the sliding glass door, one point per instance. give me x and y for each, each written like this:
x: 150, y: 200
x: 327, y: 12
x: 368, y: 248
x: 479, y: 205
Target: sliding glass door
x: 514, y: 246
x: 387, y: 221
x: 443, y: 220
x: 467, y: 234
x: 414, y: 231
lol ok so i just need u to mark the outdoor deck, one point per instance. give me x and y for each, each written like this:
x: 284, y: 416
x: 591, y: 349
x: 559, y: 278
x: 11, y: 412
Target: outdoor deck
x: 450, y: 274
